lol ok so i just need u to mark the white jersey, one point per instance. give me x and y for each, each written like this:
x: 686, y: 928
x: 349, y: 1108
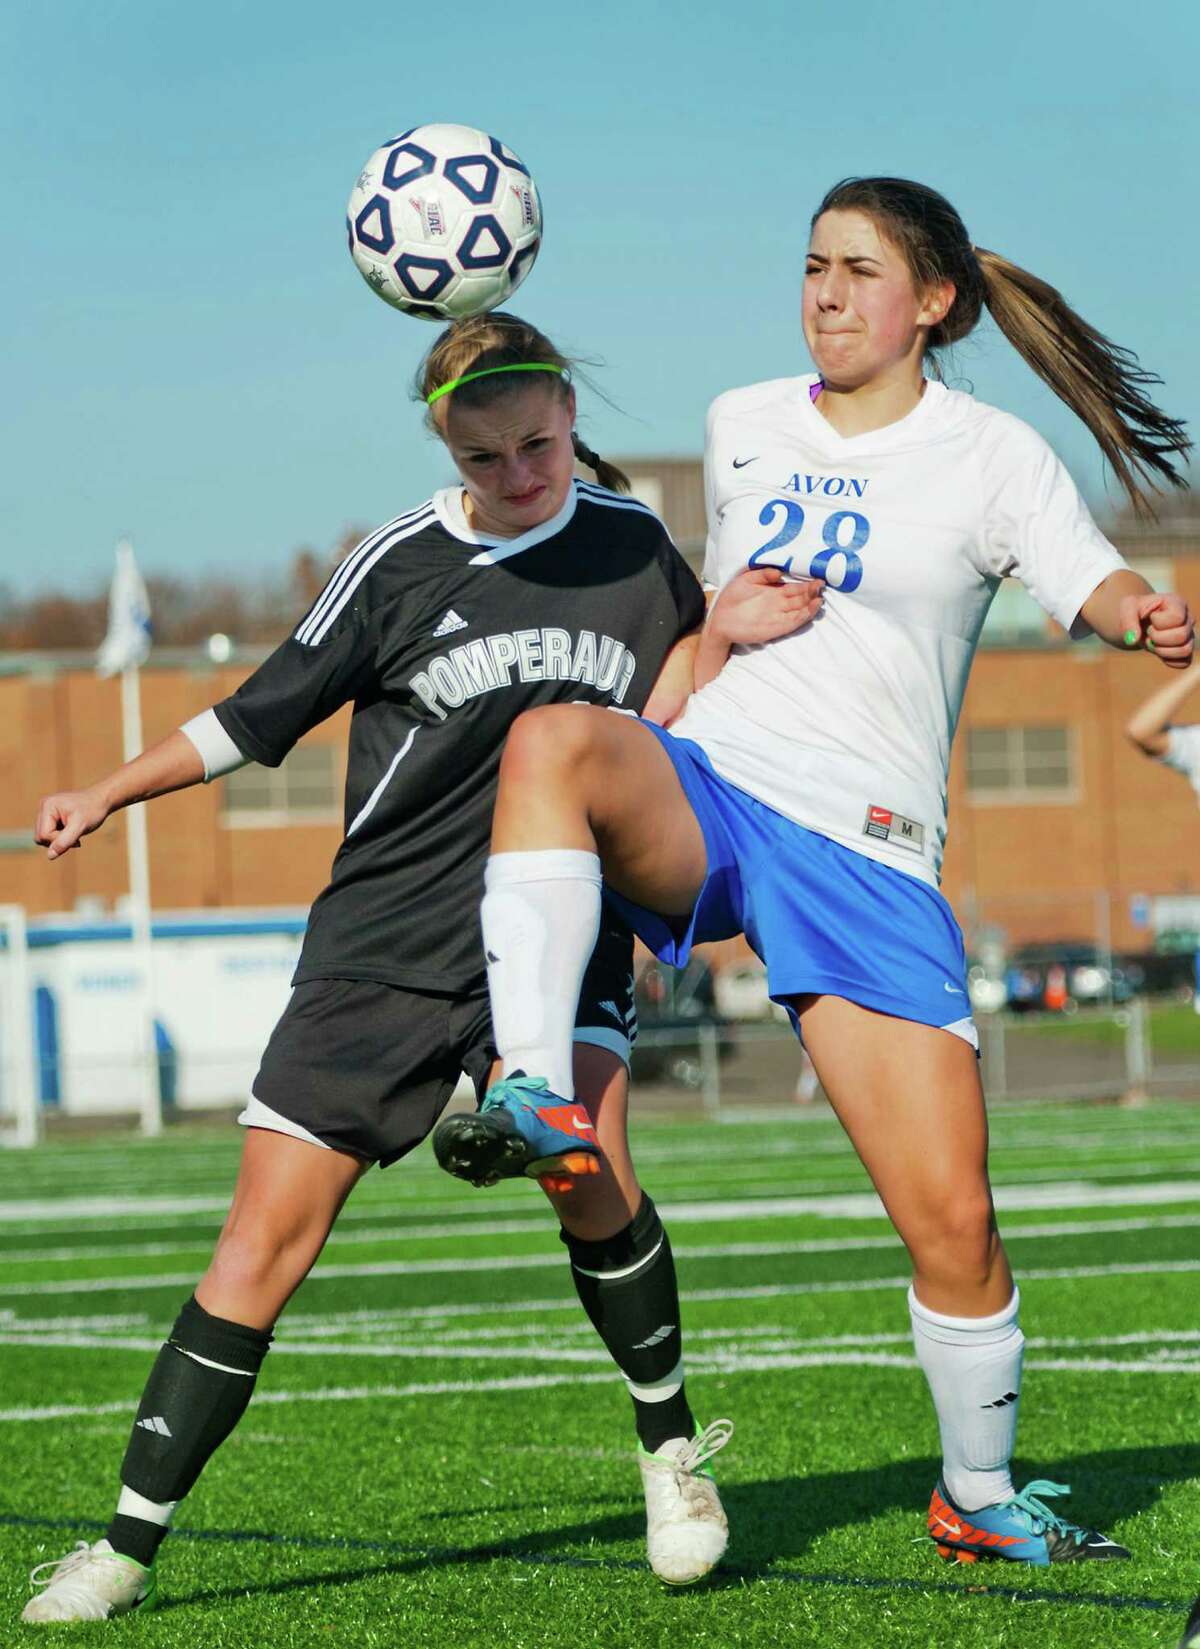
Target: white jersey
x: 1183, y: 753
x: 846, y: 725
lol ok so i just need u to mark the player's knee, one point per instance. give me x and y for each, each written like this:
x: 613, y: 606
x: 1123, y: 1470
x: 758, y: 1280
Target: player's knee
x: 552, y: 739
x: 957, y: 1242
x: 261, y: 1259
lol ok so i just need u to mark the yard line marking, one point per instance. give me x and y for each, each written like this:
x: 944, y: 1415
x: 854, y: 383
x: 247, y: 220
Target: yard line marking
x: 758, y: 1364
x: 511, y: 1262
x: 831, y: 1205
x: 703, y: 1214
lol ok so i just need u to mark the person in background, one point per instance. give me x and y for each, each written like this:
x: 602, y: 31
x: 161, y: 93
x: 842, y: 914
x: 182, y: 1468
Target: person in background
x: 1155, y: 732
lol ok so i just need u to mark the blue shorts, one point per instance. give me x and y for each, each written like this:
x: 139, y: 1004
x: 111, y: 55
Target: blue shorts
x: 824, y: 919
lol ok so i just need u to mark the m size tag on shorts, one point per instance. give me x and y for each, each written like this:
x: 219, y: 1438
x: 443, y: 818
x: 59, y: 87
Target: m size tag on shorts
x: 887, y: 826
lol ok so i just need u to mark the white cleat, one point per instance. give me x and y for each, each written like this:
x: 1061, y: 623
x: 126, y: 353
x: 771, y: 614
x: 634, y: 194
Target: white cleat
x: 90, y: 1583
x: 686, y: 1527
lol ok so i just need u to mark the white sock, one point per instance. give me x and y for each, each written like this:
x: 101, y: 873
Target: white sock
x: 973, y: 1365
x: 132, y: 1504
x: 541, y: 917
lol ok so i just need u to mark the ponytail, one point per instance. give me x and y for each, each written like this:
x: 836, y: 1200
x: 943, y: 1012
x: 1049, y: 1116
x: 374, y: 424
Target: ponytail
x: 1103, y: 384
x: 607, y: 474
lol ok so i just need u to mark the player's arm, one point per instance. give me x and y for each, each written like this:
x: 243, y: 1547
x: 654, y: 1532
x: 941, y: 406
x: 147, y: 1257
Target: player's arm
x: 292, y: 691
x: 674, y: 684
x: 64, y: 819
x: 1148, y: 727
x: 757, y: 606
x: 1127, y: 612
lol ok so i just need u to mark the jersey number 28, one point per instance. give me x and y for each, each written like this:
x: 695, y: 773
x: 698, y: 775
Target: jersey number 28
x: 840, y: 546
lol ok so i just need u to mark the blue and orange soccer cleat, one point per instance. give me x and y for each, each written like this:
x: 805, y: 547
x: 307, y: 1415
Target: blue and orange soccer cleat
x: 1022, y: 1529
x: 522, y: 1128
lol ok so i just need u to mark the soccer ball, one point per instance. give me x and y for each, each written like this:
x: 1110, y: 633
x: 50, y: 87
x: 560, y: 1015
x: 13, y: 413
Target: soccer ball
x: 444, y: 222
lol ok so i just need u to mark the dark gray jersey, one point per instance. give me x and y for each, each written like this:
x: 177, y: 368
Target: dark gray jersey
x: 441, y: 637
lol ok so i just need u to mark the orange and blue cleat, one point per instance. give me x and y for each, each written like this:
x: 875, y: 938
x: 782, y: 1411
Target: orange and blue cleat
x: 522, y: 1128
x: 1021, y: 1530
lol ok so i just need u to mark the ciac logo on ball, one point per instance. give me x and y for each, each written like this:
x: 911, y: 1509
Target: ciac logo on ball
x: 444, y: 222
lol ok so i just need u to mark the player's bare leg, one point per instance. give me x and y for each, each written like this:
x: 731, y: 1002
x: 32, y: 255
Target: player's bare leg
x: 287, y: 1197
x: 910, y: 1098
x: 573, y: 776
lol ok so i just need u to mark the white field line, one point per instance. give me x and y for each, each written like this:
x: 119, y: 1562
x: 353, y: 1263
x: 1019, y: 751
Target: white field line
x: 703, y: 1213
x: 714, y: 1358
x: 540, y: 1382
x: 834, y: 1204
x: 317, y: 1326
x: 852, y: 1205
x: 396, y: 1268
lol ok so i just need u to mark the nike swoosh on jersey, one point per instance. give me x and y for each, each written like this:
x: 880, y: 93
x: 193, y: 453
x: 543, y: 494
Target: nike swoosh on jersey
x: 740, y: 463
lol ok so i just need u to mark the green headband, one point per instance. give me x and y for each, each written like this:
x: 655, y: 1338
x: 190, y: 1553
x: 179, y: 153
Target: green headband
x: 467, y: 377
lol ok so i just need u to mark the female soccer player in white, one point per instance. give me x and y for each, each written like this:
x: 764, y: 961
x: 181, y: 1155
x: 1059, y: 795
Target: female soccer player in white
x: 522, y: 586
x: 802, y: 796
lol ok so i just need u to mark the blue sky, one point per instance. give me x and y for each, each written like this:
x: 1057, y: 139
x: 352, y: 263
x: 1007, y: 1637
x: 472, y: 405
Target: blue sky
x: 194, y: 361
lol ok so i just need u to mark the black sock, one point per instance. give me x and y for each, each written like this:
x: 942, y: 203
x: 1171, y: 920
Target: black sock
x: 627, y: 1286
x: 187, y: 1411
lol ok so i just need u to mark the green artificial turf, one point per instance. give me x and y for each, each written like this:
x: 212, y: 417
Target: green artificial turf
x: 439, y: 1454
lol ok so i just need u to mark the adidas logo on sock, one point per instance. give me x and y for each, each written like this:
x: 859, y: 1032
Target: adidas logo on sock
x: 655, y: 1339
x: 449, y: 624
x: 156, y: 1424
x: 1001, y: 1402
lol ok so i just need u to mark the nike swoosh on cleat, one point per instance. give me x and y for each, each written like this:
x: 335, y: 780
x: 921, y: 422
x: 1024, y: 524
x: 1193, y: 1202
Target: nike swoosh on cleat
x: 950, y: 1528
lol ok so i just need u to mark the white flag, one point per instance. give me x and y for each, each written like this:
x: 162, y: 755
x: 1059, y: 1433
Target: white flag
x: 127, y: 643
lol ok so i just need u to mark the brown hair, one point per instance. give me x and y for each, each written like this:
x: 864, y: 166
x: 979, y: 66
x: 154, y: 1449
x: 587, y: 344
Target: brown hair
x: 1102, y: 383
x: 499, y: 339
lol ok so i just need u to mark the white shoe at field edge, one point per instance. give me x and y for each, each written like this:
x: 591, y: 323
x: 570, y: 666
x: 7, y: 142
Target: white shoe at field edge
x: 90, y: 1583
x: 686, y: 1527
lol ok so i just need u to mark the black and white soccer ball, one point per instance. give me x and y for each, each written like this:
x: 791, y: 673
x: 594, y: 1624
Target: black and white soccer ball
x: 444, y: 222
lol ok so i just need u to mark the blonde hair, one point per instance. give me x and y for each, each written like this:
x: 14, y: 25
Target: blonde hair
x: 484, y: 342
x: 1103, y: 384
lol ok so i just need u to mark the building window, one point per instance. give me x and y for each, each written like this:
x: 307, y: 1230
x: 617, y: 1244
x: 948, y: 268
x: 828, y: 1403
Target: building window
x: 1021, y: 764
x: 302, y: 790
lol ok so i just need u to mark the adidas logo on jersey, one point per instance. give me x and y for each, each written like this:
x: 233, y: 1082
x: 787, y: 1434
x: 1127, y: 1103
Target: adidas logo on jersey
x: 157, y: 1425
x: 449, y: 624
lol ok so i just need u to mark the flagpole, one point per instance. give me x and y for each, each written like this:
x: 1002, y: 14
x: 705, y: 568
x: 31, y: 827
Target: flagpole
x: 138, y: 850
x: 124, y: 649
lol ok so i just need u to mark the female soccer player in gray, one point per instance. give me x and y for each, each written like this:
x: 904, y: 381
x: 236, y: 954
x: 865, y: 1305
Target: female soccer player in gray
x: 520, y: 587
x: 802, y: 795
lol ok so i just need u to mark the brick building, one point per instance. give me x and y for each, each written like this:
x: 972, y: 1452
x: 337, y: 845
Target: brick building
x: 1058, y: 829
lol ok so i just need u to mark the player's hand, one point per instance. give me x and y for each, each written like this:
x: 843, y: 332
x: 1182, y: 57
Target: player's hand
x: 762, y: 605
x: 1162, y: 624
x: 63, y: 820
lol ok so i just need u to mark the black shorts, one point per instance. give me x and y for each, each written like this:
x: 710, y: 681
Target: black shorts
x: 368, y: 1068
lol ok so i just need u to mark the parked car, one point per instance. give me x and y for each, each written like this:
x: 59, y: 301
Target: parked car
x: 1162, y: 971
x: 672, y: 1005
x: 1061, y: 977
